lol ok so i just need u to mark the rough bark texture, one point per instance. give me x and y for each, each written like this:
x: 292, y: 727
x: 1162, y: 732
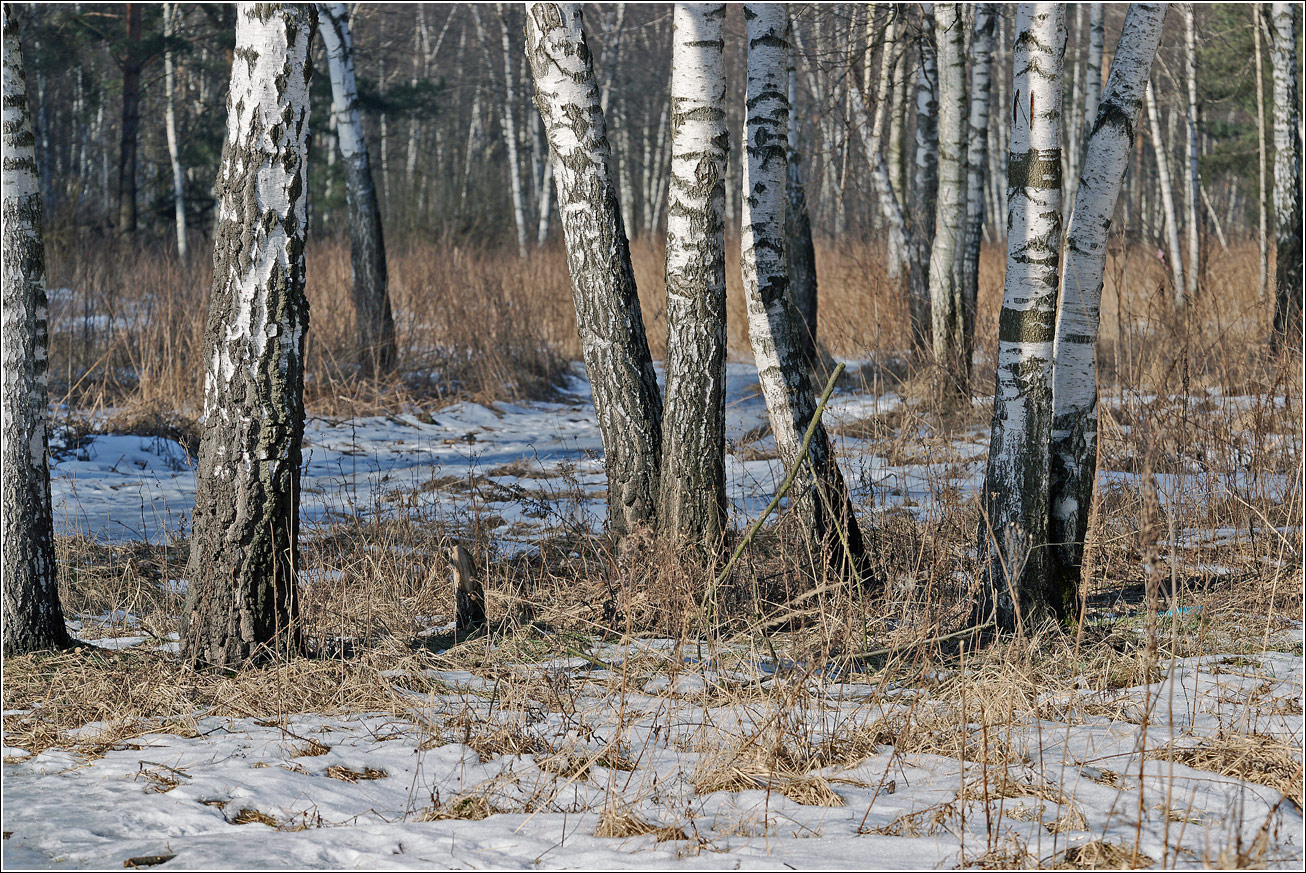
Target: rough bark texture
x: 1287, y: 180
x: 823, y: 505
x: 1167, y: 200
x: 241, y: 602
x: 372, y: 314
x: 692, y: 502
x: 946, y: 307
x: 1016, y: 485
x: 1073, y: 459
x: 798, y: 235
x: 626, y: 398
x: 925, y: 183
x: 977, y: 173
x: 33, y: 619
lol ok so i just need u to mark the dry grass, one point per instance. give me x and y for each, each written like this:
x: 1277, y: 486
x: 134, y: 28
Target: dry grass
x: 1266, y: 761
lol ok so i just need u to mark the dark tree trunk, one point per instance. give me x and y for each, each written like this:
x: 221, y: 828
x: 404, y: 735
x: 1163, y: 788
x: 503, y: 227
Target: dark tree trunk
x: 131, y: 122
x: 242, y: 601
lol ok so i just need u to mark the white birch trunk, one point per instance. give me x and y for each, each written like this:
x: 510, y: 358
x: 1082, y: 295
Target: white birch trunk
x: 33, y: 618
x: 946, y: 307
x: 1192, y: 190
x: 824, y: 508
x: 510, y: 136
x: 1073, y: 457
x: 692, y: 503
x: 1287, y: 179
x: 977, y: 162
x: 626, y: 398
x: 1167, y: 200
x: 894, y: 153
x: 798, y: 228
x: 170, y: 123
x: 1016, y: 486
x: 1262, y: 225
x: 373, y: 316
x: 924, y: 185
x: 242, y: 602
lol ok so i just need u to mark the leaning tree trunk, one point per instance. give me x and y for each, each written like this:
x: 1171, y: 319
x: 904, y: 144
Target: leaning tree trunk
x: 692, y: 502
x: 1073, y: 459
x: 977, y: 162
x: 925, y: 185
x: 170, y: 11
x: 1193, y: 185
x: 1287, y: 181
x: 626, y: 398
x: 946, y: 307
x: 33, y: 619
x: 1016, y: 485
x: 1167, y: 200
x: 375, y: 322
x: 242, y: 602
x: 824, y: 509
x: 798, y: 233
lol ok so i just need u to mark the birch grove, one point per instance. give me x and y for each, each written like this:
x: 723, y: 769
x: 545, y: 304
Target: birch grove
x: 823, y: 506
x: 375, y: 322
x: 692, y: 504
x: 242, y: 597
x: 627, y: 402
x: 1073, y: 459
x: 1013, y: 533
x: 33, y: 618
x: 925, y: 183
x: 977, y: 171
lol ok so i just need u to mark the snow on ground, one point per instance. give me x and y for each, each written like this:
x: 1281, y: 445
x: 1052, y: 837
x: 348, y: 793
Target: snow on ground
x: 140, y: 488
x: 362, y: 790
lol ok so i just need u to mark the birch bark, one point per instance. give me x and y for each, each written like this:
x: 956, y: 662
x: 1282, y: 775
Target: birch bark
x: 692, y: 502
x: 241, y: 601
x: 1016, y: 485
x: 977, y: 163
x: 1192, y: 190
x: 375, y: 322
x: 946, y: 306
x: 1287, y: 180
x: 1167, y: 200
x: 798, y: 230
x: 924, y: 185
x: 1261, y: 151
x: 1073, y: 458
x: 170, y: 11
x: 824, y: 508
x: 626, y: 397
x: 33, y: 618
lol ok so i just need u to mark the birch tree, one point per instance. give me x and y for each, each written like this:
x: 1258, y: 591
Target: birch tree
x: 798, y: 231
x: 1287, y: 179
x: 1073, y: 447
x: 692, y: 502
x: 626, y: 397
x: 374, y: 320
x: 1261, y: 151
x: 1193, y: 183
x: 824, y: 508
x: 946, y: 306
x: 170, y: 12
x: 1016, y: 484
x: 925, y: 183
x: 1167, y: 199
x: 242, y: 602
x: 33, y: 618
x: 977, y: 171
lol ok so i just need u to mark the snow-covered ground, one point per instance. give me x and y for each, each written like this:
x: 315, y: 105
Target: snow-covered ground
x: 369, y: 790
x: 695, y: 757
